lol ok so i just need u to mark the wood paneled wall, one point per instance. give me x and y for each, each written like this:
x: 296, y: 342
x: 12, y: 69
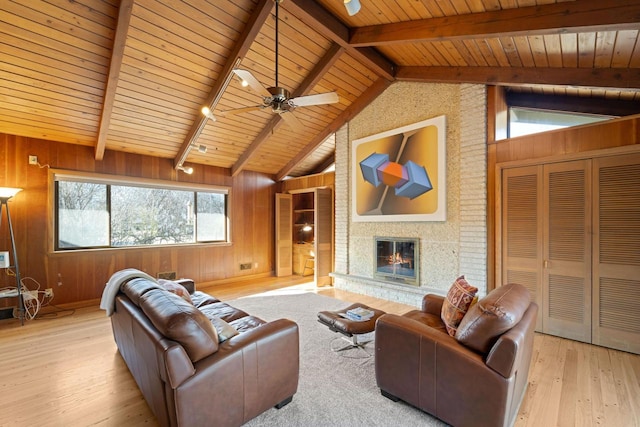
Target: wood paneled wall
x: 83, y: 274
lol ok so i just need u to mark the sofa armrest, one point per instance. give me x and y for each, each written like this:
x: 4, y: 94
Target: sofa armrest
x: 252, y: 372
x: 432, y: 304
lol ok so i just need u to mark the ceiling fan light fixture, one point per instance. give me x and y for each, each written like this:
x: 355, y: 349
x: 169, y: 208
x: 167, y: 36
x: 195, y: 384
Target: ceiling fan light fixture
x: 353, y: 6
x: 206, y: 111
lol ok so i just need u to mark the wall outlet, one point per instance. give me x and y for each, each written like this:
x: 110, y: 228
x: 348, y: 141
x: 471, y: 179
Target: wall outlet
x: 33, y: 160
x: 48, y: 293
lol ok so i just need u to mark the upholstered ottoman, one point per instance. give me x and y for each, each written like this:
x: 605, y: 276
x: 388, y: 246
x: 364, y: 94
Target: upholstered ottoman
x: 337, y: 321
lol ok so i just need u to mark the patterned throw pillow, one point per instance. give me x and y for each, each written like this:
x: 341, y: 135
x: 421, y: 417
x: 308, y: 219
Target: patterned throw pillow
x: 456, y: 304
x: 175, y: 288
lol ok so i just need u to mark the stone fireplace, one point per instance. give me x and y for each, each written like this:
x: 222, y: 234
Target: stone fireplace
x: 447, y: 248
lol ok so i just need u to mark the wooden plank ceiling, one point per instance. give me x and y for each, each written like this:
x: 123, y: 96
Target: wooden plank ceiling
x: 132, y: 75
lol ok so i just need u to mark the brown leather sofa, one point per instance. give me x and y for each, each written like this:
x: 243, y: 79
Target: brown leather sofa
x: 195, y: 370
x: 477, y: 378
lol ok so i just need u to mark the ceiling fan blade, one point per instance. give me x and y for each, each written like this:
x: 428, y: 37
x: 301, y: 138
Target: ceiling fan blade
x: 292, y: 121
x: 321, y: 98
x: 240, y: 110
x: 252, y: 82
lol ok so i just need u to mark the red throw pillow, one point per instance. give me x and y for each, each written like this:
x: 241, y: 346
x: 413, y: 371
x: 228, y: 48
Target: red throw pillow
x: 456, y: 304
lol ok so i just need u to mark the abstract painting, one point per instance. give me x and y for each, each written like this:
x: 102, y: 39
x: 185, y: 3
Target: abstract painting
x: 400, y: 175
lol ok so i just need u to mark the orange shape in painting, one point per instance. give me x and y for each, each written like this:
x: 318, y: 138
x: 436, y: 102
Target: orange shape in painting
x: 391, y: 174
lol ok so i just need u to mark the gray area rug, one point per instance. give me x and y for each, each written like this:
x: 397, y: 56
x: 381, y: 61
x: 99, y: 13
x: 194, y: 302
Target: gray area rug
x: 335, y: 389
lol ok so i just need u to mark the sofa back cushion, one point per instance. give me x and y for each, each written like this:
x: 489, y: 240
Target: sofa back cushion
x: 180, y: 321
x: 492, y: 316
x: 137, y: 287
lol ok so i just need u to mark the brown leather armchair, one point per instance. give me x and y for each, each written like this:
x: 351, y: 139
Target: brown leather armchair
x: 477, y: 378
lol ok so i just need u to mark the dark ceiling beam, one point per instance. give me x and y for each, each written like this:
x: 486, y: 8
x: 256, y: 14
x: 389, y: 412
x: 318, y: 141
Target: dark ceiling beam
x: 614, y: 78
x: 313, y: 78
x: 371, y: 93
x: 322, y: 21
x: 240, y: 49
x: 577, y: 104
x: 117, y: 54
x: 556, y: 18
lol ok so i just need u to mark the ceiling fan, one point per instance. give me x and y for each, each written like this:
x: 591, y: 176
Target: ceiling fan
x: 278, y: 98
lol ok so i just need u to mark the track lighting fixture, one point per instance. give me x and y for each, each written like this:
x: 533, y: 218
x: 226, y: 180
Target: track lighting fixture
x: 201, y: 148
x: 207, y: 113
x: 353, y: 6
x: 188, y: 170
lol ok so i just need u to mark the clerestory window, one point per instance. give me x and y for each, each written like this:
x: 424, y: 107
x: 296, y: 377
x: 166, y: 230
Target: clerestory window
x: 526, y: 121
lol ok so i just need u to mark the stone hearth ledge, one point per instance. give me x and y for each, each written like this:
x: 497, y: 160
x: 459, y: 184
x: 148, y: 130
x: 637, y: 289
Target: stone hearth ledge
x: 383, y: 289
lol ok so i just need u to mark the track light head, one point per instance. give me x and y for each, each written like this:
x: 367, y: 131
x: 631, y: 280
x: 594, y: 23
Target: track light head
x: 188, y: 170
x: 206, y: 111
x: 353, y: 6
x: 201, y: 148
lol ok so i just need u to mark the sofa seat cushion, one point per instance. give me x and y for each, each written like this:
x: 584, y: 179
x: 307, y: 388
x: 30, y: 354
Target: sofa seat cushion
x: 222, y: 310
x: 200, y: 299
x: 246, y: 323
x: 431, y: 320
x: 180, y: 321
x: 225, y: 330
x: 492, y: 316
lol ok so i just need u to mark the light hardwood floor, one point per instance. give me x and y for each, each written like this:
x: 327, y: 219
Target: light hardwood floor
x: 66, y: 371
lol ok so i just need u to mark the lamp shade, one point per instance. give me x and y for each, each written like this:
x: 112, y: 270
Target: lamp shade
x: 8, y: 192
x: 353, y: 6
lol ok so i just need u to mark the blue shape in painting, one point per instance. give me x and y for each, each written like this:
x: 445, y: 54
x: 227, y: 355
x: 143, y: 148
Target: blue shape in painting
x: 418, y: 184
x: 370, y: 167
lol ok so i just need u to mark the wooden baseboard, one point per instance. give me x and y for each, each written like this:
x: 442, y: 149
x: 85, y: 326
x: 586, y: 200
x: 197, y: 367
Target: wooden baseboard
x: 233, y: 280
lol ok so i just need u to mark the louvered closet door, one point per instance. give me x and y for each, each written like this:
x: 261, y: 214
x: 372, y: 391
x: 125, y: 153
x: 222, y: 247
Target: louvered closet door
x: 323, y: 235
x: 522, y: 230
x: 566, y: 279
x: 616, y: 260
x: 284, y: 232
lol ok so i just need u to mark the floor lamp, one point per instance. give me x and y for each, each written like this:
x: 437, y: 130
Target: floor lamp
x: 5, y: 194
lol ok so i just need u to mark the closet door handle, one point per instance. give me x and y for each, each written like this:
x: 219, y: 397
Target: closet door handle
x: 545, y: 263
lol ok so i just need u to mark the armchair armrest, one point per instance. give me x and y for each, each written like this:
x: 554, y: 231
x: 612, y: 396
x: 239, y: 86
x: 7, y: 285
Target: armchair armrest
x: 432, y: 304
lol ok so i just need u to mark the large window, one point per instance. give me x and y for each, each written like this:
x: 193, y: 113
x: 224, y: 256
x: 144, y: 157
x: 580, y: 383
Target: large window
x: 93, y: 213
